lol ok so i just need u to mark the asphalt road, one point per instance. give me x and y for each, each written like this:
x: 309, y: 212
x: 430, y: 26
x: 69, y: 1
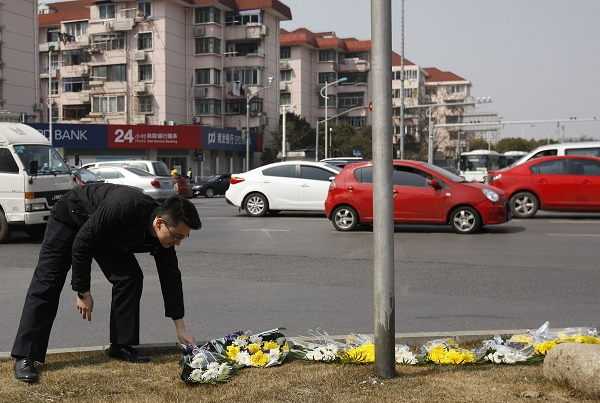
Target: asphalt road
x: 296, y: 271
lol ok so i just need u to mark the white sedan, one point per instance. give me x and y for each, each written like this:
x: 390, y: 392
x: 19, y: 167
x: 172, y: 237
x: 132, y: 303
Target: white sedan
x: 157, y: 187
x: 288, y: 185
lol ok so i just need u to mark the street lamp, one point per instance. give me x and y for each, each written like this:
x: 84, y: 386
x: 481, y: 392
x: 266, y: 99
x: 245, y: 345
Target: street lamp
x: 248, y: 98
x: 341, y: 80
x: 50, y: 49
x: 283, y: 148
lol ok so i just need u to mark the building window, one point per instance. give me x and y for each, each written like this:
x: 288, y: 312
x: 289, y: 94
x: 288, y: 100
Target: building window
x: 145, y: 103
x: 430, y: 91
x: 354, y: 121
x: 54, y: 87
x: 285, y: 98
x: 54, y: 61
x: 351, y: 99
x: 115, y: 72
x: 238, y: 106
x: 207, y: 14
x: 207, y: 45
x: 285, y: 52
x: 455, y: 89
x: 243, y: 49
x: 355, y: 55
x: 109, y: 104
x: 144, y: 41
x: 245, y: 76
x: 145, y: 72
x: 53, y: 34
x: 354, y: 78
x: 408, y: 74
x: 113, y: 41
x: 75, y: 112
x: 327, y: 77
x: 332, y: 101
x: 207, y: 76
x: 107, y: 11
x: 327, y: 55
x: 75, y: 84
x: 207, y: 106
x: 74, y: 57
x: 285, y: 75
x: 144, y: 9
x: 76, y: 28
x: 243, y: 17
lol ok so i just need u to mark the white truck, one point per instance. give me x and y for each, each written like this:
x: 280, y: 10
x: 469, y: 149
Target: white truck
x: 33, y: 176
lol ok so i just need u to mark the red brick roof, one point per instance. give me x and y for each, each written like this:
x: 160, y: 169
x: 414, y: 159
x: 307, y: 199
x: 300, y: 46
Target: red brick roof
x: 436, y: 75
x: 65, y: 11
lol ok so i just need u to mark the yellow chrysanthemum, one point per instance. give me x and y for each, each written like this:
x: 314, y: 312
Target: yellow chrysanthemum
x: 364, y: 353
x: 259, y: 359
x: 521, y: 338
x: 440, y: 355
x: 286, y: 347
x: 253, y: 348
x: 270, y: 345
x: 232, y: 352
x: 543, y: 348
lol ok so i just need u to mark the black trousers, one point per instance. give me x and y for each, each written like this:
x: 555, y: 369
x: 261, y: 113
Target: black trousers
x: 41, y: 303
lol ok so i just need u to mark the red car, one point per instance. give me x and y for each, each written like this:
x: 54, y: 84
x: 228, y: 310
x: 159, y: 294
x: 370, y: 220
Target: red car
x: 422, y: 193
x: 564, y: 183
x: 183, y: 186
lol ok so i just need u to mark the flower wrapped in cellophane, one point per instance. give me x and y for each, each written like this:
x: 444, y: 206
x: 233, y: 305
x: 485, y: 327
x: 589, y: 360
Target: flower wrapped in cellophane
x: 544, y: 339
x: 203, y: 366
x: 445, y: 352
x: 248, y: 350
x: 500, y: 351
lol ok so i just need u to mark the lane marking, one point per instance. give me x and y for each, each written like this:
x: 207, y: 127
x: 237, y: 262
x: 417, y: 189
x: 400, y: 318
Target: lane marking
x: 266, y: 230
x: 575, y: 222
x: 592, y: 235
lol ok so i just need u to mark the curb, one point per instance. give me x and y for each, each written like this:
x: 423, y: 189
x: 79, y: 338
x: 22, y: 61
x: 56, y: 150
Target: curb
x: 412, y: 339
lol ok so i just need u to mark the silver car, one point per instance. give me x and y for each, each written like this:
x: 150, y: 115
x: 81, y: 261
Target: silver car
x: 157, y: 187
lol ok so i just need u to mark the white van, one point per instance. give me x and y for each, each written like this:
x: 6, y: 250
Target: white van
x: 157, y: 168
x: 33, y: 176
x: 587, y: 148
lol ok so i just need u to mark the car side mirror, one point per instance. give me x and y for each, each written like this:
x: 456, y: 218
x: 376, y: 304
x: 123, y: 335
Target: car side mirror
x: 33, y: 168
x: 434, y: 183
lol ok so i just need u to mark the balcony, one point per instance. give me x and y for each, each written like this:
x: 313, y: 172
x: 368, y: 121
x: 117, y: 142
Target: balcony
x: 44, y: 73
x: 354, y: 64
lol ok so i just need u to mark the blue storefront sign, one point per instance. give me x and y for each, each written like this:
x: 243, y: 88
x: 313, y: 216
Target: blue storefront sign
x: 214, y: 138
x: 75, y: 136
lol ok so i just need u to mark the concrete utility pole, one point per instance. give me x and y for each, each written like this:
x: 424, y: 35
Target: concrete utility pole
x: 383, y: 203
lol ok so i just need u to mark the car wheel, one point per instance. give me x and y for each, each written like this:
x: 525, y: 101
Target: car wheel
x: 524, y: 205
x: 5, y: 229
x: 465, y: 220
x: 256, y: 205
x: 209, y: 192
x: 344, y: 218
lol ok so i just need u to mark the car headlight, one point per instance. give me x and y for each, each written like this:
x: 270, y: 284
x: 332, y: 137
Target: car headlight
x: 493, y: 196
x: 494, y: 178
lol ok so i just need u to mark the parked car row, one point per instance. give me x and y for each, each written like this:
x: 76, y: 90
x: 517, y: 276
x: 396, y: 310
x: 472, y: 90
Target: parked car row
x: 422, y: 193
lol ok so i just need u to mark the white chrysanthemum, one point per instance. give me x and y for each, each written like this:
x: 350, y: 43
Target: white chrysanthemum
x: 196, y: 375
x: 199, y: 360
x: 332, y: 347
x: 403, y: 355
x: 256, y: 339
x: 240, y: 341
x: 315, y: 355
x: 211, y: 373
x: 274, y: 354
x: 224, y: 369
x: 244, y: 358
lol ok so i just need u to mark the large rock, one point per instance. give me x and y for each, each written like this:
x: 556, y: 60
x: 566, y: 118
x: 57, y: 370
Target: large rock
x: 576, y: 364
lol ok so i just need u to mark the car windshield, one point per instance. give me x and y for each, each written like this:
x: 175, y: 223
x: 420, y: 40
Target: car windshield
x: 161, y: 169
x: 138, y: 172
x: 87, y: 176
x: 49, y: 161
x: 212, y: 178
x: 442, y: 172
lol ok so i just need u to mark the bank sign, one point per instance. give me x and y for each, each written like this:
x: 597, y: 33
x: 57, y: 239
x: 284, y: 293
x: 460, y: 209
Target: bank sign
x: 147, y: 136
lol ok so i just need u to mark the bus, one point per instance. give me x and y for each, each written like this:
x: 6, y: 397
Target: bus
x: 474, y: 165
x: 513, y: 156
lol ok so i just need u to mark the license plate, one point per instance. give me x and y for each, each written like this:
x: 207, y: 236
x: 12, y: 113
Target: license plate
x: 167, y: 185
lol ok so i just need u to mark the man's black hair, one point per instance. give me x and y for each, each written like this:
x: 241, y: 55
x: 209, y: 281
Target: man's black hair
x: 177, y: 209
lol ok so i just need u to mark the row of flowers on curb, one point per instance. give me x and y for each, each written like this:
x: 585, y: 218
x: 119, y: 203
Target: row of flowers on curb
x: 218, y: 359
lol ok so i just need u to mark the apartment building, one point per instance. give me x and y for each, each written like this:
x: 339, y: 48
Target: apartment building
x: 165, y: 62
x: 19, y: 90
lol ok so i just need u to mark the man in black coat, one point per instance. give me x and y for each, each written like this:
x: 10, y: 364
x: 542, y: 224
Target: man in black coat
x: 107, y: 223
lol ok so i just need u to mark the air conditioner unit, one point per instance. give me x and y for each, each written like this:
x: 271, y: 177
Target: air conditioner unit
x: 264, y: 120
x: 125, y: 24
x: 38, y: 106
x: 198, y: 31
x: 84, y: 97
x: 171, y: 123
x: 43, y: 47
x: 83, y: 40
x: 139, y: 87
x: 200, y: 92
x: 139, y: 119
x: 264, y: 30
x: 109, y: 24
x: 82, y: 70
x: 96, y: 83
x: 139, y: 55
x: 282, y: 86
x: 162, y: 122
x: 284, y: 65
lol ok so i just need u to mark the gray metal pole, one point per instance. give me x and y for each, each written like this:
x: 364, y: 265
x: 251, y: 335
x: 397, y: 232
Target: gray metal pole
x: 326, y: 99
x: 248, y: 97
x: 50, y: 49
x: 402, y: 129
x: 383, y: 204
x: 317, y: 142
x: 283, y: 135
x: 430, y: 145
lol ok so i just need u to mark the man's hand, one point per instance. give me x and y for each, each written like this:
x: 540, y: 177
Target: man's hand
x: 85, y: 306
